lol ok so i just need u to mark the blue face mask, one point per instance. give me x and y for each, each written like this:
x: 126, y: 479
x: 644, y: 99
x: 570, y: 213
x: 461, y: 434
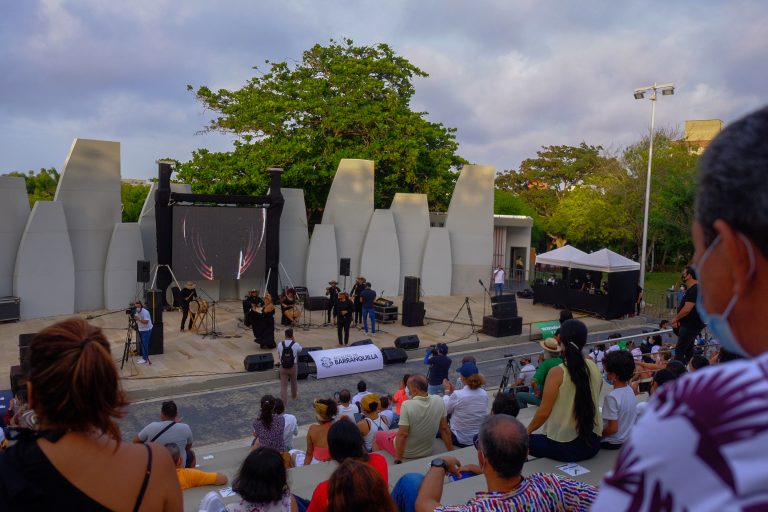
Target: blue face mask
x: 606, y: 379
x: 718, y: 323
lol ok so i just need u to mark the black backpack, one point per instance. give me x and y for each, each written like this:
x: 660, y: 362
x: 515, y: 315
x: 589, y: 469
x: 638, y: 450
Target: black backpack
x: 287, y: 358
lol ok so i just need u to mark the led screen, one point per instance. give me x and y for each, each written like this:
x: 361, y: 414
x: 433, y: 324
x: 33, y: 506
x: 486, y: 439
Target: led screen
x: 218, y: 242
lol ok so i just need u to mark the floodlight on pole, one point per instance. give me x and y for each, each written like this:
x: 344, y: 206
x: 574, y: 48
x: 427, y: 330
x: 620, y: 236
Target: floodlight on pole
x: 666, y: 90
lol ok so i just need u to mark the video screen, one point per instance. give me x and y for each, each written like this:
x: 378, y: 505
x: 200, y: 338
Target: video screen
x: 218, y: 242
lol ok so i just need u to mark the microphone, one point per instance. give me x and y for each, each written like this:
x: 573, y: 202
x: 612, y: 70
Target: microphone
x: 481, y: 282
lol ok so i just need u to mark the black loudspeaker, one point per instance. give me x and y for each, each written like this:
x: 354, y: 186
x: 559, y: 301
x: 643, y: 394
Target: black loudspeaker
x: 24, y: 341
x: 394, y: 355
x: 156, y: 340
x: 10, y: 308
x: 504, y: 309
x: 259, y: 362
x: 142, y: 271
x: 344, y: 267
x: 317, y: 303
x: 304, y: 356
x: 499, y: 327
x: 503, y: 298
x: 411, y: 287
x: 303, y: 371
x: 413, y: 314
x: 154, y: 304
x: 410, y: 342
x: 17, y: 379
x: 367, y: 341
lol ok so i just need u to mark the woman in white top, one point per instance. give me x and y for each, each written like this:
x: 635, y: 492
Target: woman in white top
x: 372, y: 422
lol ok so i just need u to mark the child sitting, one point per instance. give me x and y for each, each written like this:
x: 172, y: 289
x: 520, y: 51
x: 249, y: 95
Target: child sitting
x: 346, y: 408
x: 619, y: 406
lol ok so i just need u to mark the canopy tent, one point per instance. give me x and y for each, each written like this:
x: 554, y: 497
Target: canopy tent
x: 605, y: 260
x: 565, y: 256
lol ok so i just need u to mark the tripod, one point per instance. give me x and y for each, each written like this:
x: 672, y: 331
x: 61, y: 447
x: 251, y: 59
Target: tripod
x: 129, y: 344
x: 464, y: 304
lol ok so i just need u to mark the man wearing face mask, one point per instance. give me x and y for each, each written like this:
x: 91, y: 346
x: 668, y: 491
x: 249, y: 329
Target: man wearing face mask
x: 702, y: 442
x: 687, y: 323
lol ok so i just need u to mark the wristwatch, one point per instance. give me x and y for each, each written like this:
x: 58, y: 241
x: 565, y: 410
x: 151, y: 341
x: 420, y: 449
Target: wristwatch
x: 439, y: 463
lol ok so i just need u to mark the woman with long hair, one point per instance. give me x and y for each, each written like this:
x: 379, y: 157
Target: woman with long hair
x: 355, y: 485
x: 269, y: 428
x: 262, y: 318
x: 569, y: 403
x: 346, y: 442
x: 69, y: 461
x: 317, y: 435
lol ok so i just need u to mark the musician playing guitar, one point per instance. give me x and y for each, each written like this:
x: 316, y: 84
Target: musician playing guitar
x: 289, y: 308
x: 187, y: 295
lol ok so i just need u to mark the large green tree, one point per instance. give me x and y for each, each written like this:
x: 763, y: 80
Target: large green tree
x: 132, y: 197
x: 339, y: 101
x: 41, y: 186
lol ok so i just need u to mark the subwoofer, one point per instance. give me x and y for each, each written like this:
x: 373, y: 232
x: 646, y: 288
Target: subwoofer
x: 413, y: 314
x: 154, y: 304
x: 394, y: 355
x: 304, y: 356
x: 499, y: 327
x: 156, y: 340
x: 410, y: 342
x: 259, y: 362
x: 411, y: 289
x: 366, y: 341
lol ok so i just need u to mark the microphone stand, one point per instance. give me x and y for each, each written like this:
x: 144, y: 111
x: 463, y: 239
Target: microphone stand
x: 212, y: 333
x: 486, y: 292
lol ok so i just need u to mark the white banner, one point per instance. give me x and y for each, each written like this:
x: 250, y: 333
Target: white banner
x: 343, y: 361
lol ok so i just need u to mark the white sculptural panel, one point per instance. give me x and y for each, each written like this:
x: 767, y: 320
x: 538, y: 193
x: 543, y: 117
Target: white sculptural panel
x: 14, y: 212
x: 322, y: 261
x: 380, y: 261
x: 411, y: 214
x: 436, y: 267
x: 125, y: 248
x: 294, y: 237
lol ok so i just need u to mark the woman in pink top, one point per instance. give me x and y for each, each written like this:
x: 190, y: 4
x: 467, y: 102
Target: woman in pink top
x: 317, y: 435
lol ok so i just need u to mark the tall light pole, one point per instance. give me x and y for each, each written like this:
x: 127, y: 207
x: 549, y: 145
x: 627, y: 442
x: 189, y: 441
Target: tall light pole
x: 666, y: 90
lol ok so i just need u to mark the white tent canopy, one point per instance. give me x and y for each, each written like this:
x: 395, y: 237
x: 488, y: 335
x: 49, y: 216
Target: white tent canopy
x: 605, y: 260
x: 565, y: 256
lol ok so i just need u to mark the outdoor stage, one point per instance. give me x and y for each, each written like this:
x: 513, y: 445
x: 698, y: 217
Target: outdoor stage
x: 188, y: 357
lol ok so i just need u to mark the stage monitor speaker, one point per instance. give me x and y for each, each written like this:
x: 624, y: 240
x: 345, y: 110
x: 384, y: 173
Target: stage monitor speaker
x: 142, y: 271
x: 319, y: 303
x: 304, y: 356
x: 156, y: 340
x: 303, y: 371
x: 499, y: 327
x: 411, y: 289
x: 394, y: 355
x: 366, y: 341
x: 17, y: 379
x: 504, y: 309
x: 413, y: 314
x: 344, y: 264
x: 10, y: 308
x: 24, y: 341
x: 259, y: 362
x: 503, y: 298
x: 410, y: 342
x: 154, y: 304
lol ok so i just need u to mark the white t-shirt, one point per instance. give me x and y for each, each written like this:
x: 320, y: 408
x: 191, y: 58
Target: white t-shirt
x: 468, y: 408
x: 359, y: 397
x: 620, y: 404
x: 143, y: 314
x: 348, y: 411
x: 498, y: 276
x: 388, y: 414
x: 296, y: 349
x: 291, y: 430
x: 526, y: 373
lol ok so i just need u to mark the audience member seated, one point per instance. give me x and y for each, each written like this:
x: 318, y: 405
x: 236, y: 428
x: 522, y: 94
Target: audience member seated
x: 345, y: 442
x: 467, y: 407
x: 190, y: 477
x: 384, y: 410
x: 262, y: 484
x: 549, y: 358
x: 317, y: 435
x: 505, y: 403
x: 362, y: 390
x: 565, y: 314
x: 345, y: 406
x: 619, y: 406
x: 502, y: 450
x: 421, y: 418
x: 357, y: 486
x: 168, y: 430
x: 677, y: 367
x: 660, y: 378
x: 464, y: 360
x: 401, y: 395
x: 569, y: 405
x: 620, y: 343
x: 526, y: 374
x: 598, y: 354
x: 372, y: 422
x: 291, y: 424
x: 269, y: 429
x: 697, y: 363
x: 75, y: 459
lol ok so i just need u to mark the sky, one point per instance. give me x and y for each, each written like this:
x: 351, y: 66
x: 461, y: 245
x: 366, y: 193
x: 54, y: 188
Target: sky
x: 510, y: 75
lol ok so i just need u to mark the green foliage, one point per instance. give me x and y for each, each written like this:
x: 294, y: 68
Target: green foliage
x: 40, y: 186
x: 132, y: 197
x: 507, y: 203
x: 340, y: 101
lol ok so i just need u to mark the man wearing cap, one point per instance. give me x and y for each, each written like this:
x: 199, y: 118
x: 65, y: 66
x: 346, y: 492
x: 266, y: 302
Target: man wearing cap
x: 439, y: 364
x: 702, y: 440
x: 467, y: 406
x: 333, y: 296
x: 187, y: 295
x: 550, y: 357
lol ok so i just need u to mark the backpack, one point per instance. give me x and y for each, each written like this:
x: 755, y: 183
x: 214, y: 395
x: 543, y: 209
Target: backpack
x: 287, y: 358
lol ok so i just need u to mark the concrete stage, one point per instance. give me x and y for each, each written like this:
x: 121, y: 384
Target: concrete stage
x: 211, y: 362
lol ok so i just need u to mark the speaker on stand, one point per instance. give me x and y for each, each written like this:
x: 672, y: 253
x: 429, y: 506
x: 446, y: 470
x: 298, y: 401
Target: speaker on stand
x: 344, y: 264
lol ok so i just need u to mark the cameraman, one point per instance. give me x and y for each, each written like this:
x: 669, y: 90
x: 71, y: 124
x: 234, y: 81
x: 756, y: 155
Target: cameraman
x: 439, y: 364
x: 144, y: 321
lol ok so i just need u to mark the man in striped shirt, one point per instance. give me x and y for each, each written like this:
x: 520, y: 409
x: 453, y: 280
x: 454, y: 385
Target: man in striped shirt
x: 502, y: 451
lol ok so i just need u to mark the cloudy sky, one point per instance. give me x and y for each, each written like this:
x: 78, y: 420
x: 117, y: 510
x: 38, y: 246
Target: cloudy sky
x: 511, y: 75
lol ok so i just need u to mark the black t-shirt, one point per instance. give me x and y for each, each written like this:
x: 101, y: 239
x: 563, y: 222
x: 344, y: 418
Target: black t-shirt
x: 692, y: 320
x: 438, y: 369
x: 344, y: 306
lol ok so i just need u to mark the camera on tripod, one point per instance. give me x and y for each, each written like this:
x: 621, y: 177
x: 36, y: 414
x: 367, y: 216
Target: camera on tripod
x: 130, y: 311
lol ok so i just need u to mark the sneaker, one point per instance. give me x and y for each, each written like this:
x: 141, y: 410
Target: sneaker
x: 373, y: 334
x: 141, y: 361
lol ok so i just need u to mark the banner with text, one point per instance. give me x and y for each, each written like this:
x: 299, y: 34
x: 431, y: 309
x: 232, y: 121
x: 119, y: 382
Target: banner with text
x: 347, y: 360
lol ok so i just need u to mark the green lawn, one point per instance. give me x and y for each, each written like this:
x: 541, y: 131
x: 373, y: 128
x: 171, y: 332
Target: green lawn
x: 657, y: 284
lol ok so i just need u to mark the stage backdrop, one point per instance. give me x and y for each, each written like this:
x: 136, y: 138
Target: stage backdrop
x: 218, y: 242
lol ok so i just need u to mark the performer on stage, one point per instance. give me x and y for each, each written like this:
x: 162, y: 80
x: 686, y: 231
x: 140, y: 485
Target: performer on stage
x: 289, y: 308
x: 333, y: 295
x: 262, y: 322
x: 187, y: 295
x: 356, y: 299
x: 250, y: 299
x: 344, y: 311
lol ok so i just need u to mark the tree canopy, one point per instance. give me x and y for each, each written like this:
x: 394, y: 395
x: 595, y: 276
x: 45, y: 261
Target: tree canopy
x: 339, y: 101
